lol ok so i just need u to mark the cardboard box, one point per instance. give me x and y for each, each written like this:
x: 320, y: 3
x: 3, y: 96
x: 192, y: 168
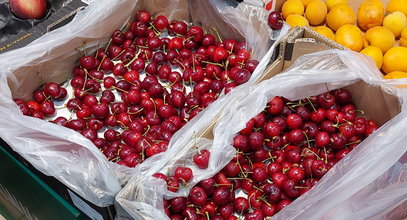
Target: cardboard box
x: 58, y: 19
x: 377, y: 104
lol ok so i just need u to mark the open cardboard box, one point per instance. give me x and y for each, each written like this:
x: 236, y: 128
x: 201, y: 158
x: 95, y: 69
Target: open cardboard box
x: 377, y: 104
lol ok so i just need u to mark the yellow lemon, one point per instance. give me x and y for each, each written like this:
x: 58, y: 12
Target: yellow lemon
x: 375, y: 53
x: 339, y: 15
x: 292, y: 7
x: 305, y: 2
x: 325, y: 31
x: 396, y: 75
x: 403, y: 38
x: 370, y: 14
x: 350, y: 36
x: 296, y: 20
x: 331, y: 3
x: 380, y: 37
x: 316, y: 12
x: 395, y: 22
x: 397, y: 5
x: 395, y: 60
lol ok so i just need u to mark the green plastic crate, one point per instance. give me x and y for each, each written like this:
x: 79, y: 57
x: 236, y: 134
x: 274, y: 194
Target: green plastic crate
x: 24, y: 196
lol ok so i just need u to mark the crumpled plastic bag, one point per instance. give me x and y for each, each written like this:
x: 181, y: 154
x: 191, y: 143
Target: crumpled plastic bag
x: 63, y: 153
x: 368, y: 165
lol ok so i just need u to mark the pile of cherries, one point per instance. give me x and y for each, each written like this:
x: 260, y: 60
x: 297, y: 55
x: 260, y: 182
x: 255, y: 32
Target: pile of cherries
x: 281, y: 154
x: 150, y: 80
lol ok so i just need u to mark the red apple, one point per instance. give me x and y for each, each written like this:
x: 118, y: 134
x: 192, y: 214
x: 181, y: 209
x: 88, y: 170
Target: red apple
x: 28, y: 9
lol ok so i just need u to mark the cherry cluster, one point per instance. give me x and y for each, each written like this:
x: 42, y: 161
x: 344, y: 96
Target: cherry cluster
x: 281, y: 154
x: 130, y: 97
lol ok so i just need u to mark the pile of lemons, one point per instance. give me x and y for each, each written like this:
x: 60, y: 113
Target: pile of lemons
x: 374, y: 30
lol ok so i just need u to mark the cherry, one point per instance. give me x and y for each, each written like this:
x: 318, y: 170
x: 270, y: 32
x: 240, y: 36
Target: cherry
x: 221, y: 196
x: 198, y: 196
x: 220, y: 54
x: 208, y: 40
x: 328, y: 126
x: 227, y: 210
x: 241, y: 205
x: 259, y: 174
x: 279, y: 178
x: 183, y: 173
x: 296, y: 174
x: 271, y: 130
x: 251, y: 65
x: 296, y: 136
x: 343, y: 96
x: 77, y: 124
x: 318, y: 116
x: 143, y: 16
x: 294, y: 121
x: 338, y: 141
x: 190, y: 214
x: 47, y: 107
x: 241, y: 142
x: 87, y: 62
x: 274, y: 20
x: 100, y: 111
x: 202, y: 159
x: 241, y: 76
x: 52, y: 89
x: 161, y: 22
x: 326, y: 100
x: 178, y: 204
x: 275, y: 106
x: 282, y: 204
x: 322, y: 139
x: 319, y: 168
x: 208, y: 185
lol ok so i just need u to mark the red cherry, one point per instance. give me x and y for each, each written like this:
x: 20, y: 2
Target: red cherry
x: 183, y: 173
x: 202, y: 159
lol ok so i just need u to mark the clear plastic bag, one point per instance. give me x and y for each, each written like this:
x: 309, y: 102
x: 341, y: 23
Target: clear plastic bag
x: 64, y: 153
x: 310, y: 75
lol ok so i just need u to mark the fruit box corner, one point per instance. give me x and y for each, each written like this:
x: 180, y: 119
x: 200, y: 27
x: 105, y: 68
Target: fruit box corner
x: 378, y: 104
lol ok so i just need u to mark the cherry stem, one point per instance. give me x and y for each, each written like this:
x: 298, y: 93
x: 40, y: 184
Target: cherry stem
x: 121, y: 52
x: 217, y: 33
x: 306, y: 137
x: 258, y: 188
x: 360, y: 111
x: 301, y: 187
x: 319, y: 158
x: 182, y: 65
x: 236, y: 178
x: 327, y: 89
x: 265, y: 201
x: 108, y: 44
x: 217, y: 64
x: 96, y: 79
x: 114, y: 87
x: 356, y: 142
x: 133, y: 113
x: 326, y: 156
x: 100, y: 64
x: 148, y: 128
x: 134, y: 58
x: 312, y: 105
